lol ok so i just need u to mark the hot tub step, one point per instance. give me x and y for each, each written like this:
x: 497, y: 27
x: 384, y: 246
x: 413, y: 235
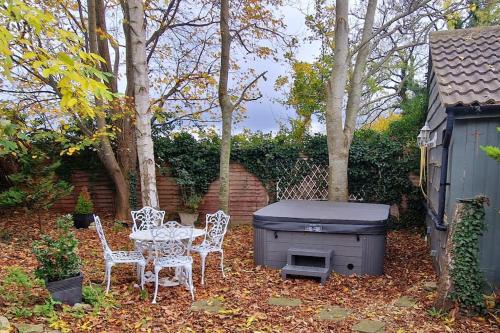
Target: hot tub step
x: 294, y: 270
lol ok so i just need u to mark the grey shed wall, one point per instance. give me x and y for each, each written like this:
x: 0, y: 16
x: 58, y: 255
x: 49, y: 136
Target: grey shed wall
x: 470, y: 172
x: 473, y: 173
x: 436, y: 117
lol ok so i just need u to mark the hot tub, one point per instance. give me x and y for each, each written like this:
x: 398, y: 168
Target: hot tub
x: 355, y: 231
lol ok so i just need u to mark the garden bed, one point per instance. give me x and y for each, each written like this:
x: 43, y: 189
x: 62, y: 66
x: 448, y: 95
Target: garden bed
x: 246, y: 299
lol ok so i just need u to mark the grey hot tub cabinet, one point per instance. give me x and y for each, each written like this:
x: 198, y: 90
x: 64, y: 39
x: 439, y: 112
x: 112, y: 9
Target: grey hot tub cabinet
x: 356, y: 232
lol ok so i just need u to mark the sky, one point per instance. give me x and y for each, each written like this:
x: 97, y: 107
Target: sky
x: 266, y: 114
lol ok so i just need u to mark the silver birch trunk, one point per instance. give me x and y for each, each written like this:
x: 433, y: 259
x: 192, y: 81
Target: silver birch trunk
x: 145, y: 152
x: 339, y: 137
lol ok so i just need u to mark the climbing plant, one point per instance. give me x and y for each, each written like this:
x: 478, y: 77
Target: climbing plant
x: 468, y: 280
x: 193, y: 163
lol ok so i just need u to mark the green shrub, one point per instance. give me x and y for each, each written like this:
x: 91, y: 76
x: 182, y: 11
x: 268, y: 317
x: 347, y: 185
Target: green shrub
x: 193, y: 202
x: 96, y: 297
x: 19, y: 291
x: 84, y: 204
x: 21, y: 312
x: 47, y: 309
x: 193, y: 163
x: 35, y: 187
x: 58, y: 256
x: 118, y: 226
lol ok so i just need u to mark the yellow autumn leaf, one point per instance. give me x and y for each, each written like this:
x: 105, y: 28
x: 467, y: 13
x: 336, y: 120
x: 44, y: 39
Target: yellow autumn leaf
x: 72, y: 102
x: 250, y: 320
x: 72, y: 150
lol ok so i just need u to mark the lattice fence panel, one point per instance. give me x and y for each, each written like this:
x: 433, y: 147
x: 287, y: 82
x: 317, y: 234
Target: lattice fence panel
x: 306, y: 180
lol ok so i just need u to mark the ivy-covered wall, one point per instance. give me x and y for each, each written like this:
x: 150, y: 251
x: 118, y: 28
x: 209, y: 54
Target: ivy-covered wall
x: 379, y: 166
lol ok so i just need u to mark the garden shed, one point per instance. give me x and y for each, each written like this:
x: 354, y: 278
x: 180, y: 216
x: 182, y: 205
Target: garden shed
x: 463, y: 115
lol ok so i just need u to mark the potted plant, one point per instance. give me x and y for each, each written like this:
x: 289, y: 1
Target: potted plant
x: 59, y: 263
x: 190, y: 213
x: 84, y: 210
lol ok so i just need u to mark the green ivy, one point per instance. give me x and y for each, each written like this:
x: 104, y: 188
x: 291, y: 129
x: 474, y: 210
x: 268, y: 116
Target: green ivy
x: 132, y: 183
x: 468, y: 280
x: 193, y: 163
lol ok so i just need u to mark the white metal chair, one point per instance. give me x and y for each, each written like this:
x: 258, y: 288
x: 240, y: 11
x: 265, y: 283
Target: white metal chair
x: 215, y: 229
x: 146, y: 218
x: 112, y: 258
x: 172, y: 244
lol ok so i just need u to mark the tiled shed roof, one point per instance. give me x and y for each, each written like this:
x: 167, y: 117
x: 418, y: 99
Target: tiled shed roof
x: 467, y: 65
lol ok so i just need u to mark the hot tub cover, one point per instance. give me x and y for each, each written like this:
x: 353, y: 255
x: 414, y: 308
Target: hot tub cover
x: 323, y: 216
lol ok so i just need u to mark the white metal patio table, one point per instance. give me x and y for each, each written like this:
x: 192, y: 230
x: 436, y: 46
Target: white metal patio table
x: 145, y: 236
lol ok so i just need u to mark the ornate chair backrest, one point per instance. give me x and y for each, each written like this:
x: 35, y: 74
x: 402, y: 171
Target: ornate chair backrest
x: 172, y: 240
x: 146, y: 218
x: 215, y: 228
x: 102, y: 237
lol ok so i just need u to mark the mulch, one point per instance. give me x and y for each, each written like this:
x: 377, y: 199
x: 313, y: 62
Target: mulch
x: 246, y: 289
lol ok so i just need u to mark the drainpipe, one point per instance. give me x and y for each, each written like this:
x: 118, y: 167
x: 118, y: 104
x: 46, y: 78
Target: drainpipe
x: 443, y: 179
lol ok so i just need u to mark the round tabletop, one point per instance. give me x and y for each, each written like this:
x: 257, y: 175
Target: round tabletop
x: 145, y: 235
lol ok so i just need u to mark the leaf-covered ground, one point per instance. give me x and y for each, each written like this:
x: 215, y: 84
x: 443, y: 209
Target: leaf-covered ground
x: 246, y: 289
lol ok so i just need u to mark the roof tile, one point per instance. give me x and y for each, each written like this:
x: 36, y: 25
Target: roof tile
x: 467, y: 65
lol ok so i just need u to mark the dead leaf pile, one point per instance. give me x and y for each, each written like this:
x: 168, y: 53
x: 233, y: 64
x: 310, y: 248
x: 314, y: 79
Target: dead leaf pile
x: 243, y: 295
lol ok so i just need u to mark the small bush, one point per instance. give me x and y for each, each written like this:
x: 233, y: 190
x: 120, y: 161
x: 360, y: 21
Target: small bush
x: 58, y: 257
x: 96, y: 297
x: 19, y: 292
x: 84, y: 204
x: 17, y: 286
x: 47, y: 309
x: 21, y: 312
x: 118, y: 226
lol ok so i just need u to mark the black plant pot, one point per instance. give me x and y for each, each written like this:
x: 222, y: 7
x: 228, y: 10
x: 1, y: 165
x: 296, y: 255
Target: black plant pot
x: 67, y: 291
x: 83, y: 220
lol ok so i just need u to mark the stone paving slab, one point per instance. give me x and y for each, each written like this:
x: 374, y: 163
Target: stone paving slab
x: 212, y: 305
x: 4, y: 325
x: 430, y: 286
x: 334, y: 313
x: 28, y: 328
x: 369, y: 326
x: 405, y: 302
x: 284, y: 301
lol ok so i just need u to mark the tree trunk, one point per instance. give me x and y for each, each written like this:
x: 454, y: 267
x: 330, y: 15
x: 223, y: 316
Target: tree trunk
x: 358, y: 73
x: 226, y: 107
x: 104, y: 148
x: 107, y: 157
x: 126, y: 149
x: 335, y: 90
x: 225, y: 154
x: 145, y: 152
x: 339, y: 137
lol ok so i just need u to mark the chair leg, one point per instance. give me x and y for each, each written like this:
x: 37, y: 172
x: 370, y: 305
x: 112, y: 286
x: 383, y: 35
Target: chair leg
x: 222, y: 262
x: 108, y: 276
x: 105, y: 273
x: 142, y: 267
x: 190, y: 281
x: 157, y: 272
x: 203, y: 256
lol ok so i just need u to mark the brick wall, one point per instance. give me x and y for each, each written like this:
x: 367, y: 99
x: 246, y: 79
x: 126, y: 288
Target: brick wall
x: 247, y: 194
